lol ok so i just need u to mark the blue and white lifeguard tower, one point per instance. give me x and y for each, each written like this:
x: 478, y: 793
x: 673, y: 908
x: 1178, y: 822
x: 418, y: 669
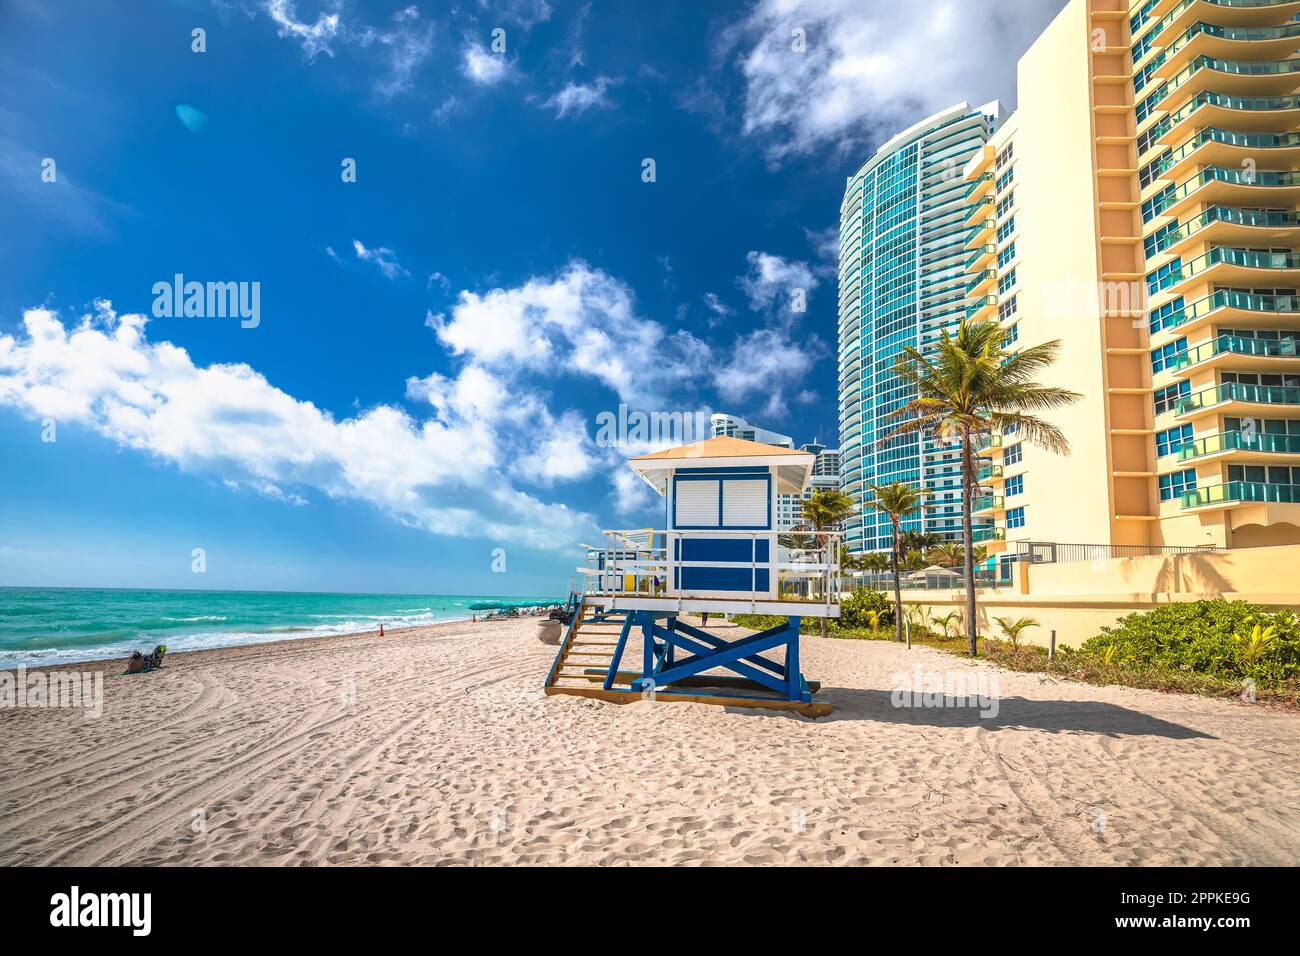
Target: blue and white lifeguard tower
x: 719, y: 553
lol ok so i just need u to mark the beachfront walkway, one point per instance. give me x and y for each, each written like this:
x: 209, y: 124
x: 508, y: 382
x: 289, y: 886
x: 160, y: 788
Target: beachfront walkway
x: 438, y: 747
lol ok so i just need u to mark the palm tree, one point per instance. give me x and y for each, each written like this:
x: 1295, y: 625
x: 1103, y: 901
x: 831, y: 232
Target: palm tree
x: 970, y: 385
x: 946, y: 554
x: 825, y: 511
x: 897, y: 500
x: 1011, y: 629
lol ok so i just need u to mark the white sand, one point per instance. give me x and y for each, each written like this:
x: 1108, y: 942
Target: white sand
x: 450, y: 753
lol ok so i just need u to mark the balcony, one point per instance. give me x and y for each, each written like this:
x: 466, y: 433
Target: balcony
x: 1243, y: 113
x: 980, y: 234
x: 1257, y: 446
x: 1213, y: 41
x: 1224, y: 225
x: 988, y: 446
x: 981, y: 257
x: 1176, y: 15
x: 1207, y: 73
x: 988, y: 472
x: 1226, y: 266
x: 989, y: 503
x: 982, y: 308
x: 1212, y: 146
x: 978, y: 210
x: 1241, y: 492
x: 982, y: 281
x: 981, y: 186
x: 988, y: 534
x: 1216, y: 185
x: 1230, y: 397
x: 1240, y: 353
x: 1228, y: 306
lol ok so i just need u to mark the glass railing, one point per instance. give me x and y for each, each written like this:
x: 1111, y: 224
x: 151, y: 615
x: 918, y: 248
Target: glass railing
x: 987, y: 472
x: 1212, y: 134
x: 1231, y: 299
x: 984, y: 178
x: 982, y: 276
x: 987, y: 503
x: 1177, y: 11
x: 1226, y: 255
x: 1236, y: 345
x: 1147, y: 105
x: 1268, y: 218
x: 1256, y: 441
x: 1208, y: 98
x: 1231, y: 33
x: 989, y: 441
x: 1217, y: 174
x: 983, y: 302
x: 989, y: 534
x: 1239, y: 392
x: 979, y: 206
x: 985, y: 250
x: 1233, y: 491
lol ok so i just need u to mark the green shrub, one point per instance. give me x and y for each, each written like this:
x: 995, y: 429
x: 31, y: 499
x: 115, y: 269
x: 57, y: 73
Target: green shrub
x: 856, y: 610
x: 1205, y: 637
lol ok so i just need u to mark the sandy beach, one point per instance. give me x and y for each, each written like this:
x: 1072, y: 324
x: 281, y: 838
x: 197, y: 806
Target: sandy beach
x: 437, y: 746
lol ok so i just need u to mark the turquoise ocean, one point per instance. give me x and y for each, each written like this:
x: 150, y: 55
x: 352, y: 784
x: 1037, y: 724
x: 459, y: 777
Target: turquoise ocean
x: 45, y: 627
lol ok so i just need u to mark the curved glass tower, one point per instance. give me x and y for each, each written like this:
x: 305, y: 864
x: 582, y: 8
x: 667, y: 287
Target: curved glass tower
x: 902, y: 281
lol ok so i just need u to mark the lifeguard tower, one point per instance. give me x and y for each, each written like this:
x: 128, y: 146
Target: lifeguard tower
x: 719, y: 552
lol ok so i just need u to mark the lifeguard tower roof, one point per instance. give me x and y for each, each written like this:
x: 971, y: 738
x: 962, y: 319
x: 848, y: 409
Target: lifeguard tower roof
x: 792, y: 467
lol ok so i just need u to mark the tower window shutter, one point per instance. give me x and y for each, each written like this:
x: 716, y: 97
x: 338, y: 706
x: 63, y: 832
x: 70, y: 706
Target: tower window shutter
x: 744, y: 504
x: 696, y: 504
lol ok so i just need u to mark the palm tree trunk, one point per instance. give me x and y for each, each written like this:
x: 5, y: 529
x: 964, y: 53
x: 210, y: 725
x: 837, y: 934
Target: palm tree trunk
x: 968, y: 535
x: 898, y: 591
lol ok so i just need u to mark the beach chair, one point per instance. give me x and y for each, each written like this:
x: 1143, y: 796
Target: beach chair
x: 141, y: 663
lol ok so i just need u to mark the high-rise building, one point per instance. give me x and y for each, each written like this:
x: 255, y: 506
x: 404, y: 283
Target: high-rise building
x: 902, y: 282
x: 825, y: 472
x: 1142, y: 205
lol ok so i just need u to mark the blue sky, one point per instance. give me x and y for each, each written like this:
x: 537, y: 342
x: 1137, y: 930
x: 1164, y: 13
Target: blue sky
x: 434, y: 340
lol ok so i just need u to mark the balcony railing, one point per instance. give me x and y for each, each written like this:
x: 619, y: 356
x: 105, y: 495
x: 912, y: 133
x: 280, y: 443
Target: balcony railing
x: 987, y: 503
x: 988, y: 534
x: 1262, y: 442
x: 987, y: 442
x: 1214, y: 135
x: 1239, y: 392
x: 1223, y: 100
x: 987, y: 472
x: 1056, y: 552
x: 1231, y: 299
x: 980, y: 304
x: 978, y: 182
x: 1264, y: 218
x: 1226, y: 255
x: 1231, y: 33
x: 979, y: 278
x: 1177, y: 11
x: 1232, y: 492
x: 985, y: 250
x: 1236, y: 345
x: 1263, y: 178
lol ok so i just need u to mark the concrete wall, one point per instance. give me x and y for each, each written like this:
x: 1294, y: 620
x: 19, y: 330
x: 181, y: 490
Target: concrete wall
x: 1078, y: 598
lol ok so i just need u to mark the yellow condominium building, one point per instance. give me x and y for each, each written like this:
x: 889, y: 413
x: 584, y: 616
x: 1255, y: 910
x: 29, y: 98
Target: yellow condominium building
x: 1142, y: 205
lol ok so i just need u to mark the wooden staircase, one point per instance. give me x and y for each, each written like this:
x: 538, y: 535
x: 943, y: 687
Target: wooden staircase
x: 587, y: 651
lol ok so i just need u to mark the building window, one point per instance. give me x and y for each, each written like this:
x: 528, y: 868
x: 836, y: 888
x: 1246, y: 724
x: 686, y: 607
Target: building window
x: 1005, y: 155
x: 1165, y: 276
x: 1010, y: 429
x: 1012, y: 336
x: 1007, y: 308
x: 1165, y: 356
x: 1007, y: 255
x: 1005, y: 179
x: 1174, y: 485
x: 1006, y: 282
x: 1172, y: 439
x: 1006, y: 229
x: 1015, y: 485
x: 1016, y: 517
x: 1166, y: 398
x: 1005, y: 204
x: 1013, y: 453
x: 1166, y: 316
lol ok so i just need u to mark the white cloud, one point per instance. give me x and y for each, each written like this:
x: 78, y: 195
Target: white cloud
x: 446, y: 474
x: 772, y: 280
x: 719, y: 310
x: 523, y: 13
x: 576, y: 98
x: 482, y: 66
x: 315, y: 37
x: 871, y: 69
x: 580, y: 321
x: 382, y: 257
x: 766, y: 362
